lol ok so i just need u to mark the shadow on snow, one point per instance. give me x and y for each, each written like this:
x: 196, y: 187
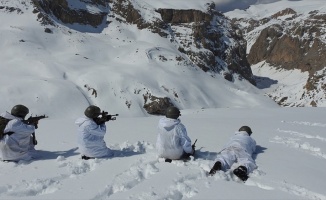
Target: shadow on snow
x: 259, y: 150
x: 50, y: 155
x: 264, y: 82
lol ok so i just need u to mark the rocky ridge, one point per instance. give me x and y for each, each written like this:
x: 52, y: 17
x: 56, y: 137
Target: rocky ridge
x: 287, y: 40
x: 201, y: 41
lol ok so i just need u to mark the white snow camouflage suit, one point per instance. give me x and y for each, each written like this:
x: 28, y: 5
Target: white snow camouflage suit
x: 172, y: 139
x: 91, y: 138
x: 239, y: 149
x: 19, y: 145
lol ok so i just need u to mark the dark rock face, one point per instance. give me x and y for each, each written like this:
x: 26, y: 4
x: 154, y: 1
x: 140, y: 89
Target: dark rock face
x: 184, y: 16
x: 11, y: 9
x: 291, y: 43
x: 212, y: 44
x: 126, y: 10
x: 209, y: 30
x: 61, y: 10
x: 158, y: 105
x: 298, y: 47
x: 288, y: 49
x: 285, y: 12
x: 47, y: 30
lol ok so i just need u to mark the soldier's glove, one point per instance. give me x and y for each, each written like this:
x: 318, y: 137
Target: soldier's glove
x: 212, y: 172
x: 99, y: 121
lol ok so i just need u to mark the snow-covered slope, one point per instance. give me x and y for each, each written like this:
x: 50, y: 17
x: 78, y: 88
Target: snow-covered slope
x: 57, y: 73
x: 54, y: 73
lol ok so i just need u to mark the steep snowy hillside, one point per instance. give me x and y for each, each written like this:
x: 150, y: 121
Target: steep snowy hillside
x: 59, y: 69
x: 284, y: 38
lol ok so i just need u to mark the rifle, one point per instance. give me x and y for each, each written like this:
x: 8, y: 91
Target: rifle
x: 34, y: 121
x: 105, y: 117
x: 194, y: 145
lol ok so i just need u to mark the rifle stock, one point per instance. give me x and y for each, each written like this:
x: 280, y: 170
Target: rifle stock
x: 195, y: 143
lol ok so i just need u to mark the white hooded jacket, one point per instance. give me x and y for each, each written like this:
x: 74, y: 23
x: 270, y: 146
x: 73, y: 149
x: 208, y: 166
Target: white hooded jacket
x: 91, y: 138
x: 172, y: 139
x: 239, y: 149
x: 243, y: 141
x: 19, y: 145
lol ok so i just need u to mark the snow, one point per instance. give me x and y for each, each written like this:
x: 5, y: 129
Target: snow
x: 77, y: 5
x: 260, y: 11
x: 279, y: 81
x: 221, y: 5
x: 291, y: 156
x: 288, y: 86
x: 48, y: 74
x: 121, y: 62
x: 242, y: 8
x: 303, y: 9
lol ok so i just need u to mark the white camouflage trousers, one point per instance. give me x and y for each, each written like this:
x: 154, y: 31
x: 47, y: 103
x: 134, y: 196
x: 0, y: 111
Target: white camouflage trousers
x: 230, y: 155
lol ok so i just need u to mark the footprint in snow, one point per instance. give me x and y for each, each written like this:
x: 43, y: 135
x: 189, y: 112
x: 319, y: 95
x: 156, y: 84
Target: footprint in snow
x: 301, y: 191
x: 128, y: 179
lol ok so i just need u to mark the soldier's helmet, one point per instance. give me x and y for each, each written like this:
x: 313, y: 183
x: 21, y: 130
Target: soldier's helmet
x: 172, y: 112
x: 92, y: 111
x: 247, y: 129
x: 19, y: 111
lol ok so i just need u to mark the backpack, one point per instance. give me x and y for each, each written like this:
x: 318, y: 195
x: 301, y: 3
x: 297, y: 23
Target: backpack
x: 3, y: 124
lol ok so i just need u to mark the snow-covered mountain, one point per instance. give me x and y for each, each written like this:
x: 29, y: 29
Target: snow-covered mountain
x: 122, y: 56
x: 57, y: 68
x: 136, y: 57
x: 286, y: 46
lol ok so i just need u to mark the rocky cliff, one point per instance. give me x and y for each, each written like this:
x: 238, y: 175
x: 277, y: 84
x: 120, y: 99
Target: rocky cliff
x: 287, y: 40
x: 48, y: 10
x: 204, y: 44
x: 206, y: 40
